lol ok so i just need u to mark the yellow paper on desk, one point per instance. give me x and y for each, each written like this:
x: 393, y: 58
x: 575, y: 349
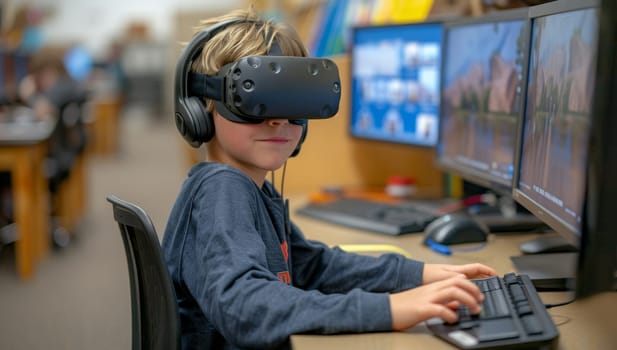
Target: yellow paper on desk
x: 402, y: 11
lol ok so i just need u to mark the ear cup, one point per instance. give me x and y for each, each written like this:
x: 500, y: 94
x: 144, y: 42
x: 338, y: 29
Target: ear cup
x: 194, y: 122
x: 204, y: 125
x: 302, y: 138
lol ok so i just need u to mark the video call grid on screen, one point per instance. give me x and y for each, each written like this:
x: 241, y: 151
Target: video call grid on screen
x: 556, y: 126
x: 482, y: 97
x: 395, y: 83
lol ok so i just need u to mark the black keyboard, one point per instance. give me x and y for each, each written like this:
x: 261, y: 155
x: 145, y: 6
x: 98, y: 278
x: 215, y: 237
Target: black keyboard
x: 512, y: 316
x: 392, y: 219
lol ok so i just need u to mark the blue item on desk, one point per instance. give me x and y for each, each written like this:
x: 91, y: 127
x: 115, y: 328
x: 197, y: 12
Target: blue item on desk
x: 439, y: 248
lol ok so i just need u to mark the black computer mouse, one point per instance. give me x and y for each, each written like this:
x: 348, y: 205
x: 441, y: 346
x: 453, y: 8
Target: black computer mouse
x: 455, y: 229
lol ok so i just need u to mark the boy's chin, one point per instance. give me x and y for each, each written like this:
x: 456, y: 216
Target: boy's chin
x: 273, y: 165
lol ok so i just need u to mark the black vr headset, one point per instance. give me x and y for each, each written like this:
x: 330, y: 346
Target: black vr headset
x: 253, y: 89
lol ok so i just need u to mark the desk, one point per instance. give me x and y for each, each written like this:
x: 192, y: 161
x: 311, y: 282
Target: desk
x: 22, y: 153
x: 104, y: 127
x: 585, y: 324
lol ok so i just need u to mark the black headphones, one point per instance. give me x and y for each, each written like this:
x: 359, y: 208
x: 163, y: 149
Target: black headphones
x: 192, y: 119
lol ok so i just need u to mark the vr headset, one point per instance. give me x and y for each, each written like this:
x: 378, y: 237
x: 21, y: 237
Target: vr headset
x: 252, y: 89
x: 255, y: 88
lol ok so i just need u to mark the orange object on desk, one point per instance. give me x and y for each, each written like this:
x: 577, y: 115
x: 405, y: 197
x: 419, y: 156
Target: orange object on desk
x: 376, y: 194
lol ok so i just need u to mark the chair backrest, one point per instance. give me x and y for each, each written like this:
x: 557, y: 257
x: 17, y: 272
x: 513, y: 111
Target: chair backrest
x: 154, y: 308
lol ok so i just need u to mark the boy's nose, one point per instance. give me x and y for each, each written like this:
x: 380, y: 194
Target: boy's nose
x: 275, y: 122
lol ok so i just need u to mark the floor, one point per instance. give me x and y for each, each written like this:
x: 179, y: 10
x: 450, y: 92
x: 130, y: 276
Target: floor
x: 79, y: 297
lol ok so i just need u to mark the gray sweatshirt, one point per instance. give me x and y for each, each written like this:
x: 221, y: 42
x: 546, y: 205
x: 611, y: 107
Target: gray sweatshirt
x: 242, y: 281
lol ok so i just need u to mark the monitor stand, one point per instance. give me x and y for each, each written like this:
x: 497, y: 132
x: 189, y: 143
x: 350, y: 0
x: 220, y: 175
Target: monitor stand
x: 517, y: 222
x: 550, y: 261
x: 548, y: 272
x: 506, y: 216
x: 549, y: 243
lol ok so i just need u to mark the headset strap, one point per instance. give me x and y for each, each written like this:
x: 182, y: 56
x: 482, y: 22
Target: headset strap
x: 211, y: 86
x: 204, y: 85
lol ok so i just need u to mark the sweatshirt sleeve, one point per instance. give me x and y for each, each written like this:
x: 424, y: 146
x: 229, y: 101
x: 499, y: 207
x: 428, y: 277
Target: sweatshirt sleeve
x: 225, y: 268
x: 332, y: 270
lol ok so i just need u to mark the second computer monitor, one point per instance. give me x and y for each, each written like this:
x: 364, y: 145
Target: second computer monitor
x: 395, y: 83
x: 553, y: 150
x: 481, y: 95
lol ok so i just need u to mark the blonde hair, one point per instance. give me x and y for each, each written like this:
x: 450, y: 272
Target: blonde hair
x: 250, y: 36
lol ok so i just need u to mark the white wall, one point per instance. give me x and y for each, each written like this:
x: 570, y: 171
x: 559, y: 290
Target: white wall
x: 95, y: 23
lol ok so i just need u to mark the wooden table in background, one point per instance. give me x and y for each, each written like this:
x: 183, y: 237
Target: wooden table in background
x: 23, y: 148
x: 104, y: 126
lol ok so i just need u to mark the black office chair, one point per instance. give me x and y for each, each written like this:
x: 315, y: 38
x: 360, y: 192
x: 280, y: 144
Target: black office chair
x: 67, y: 141
x: 154, y: 309
x: 65, y: 154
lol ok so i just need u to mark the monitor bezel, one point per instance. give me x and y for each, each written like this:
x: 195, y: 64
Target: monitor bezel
x: 353, y: 31
x: 481, y: 178
x: 570, y: 233
x: 597, y: 263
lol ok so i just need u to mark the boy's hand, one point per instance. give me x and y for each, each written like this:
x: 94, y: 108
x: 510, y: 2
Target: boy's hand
x: 437, y: 272
x: 439, y: 299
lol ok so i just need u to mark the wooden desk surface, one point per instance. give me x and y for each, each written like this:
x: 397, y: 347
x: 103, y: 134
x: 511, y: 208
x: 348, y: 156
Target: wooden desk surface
x: 584, y: 324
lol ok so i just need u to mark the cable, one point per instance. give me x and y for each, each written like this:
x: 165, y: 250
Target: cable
x: 283, y: 179
x: 488, y: 198
x: 549, y: 306
x: 272, y: 177
x: 285, y: 202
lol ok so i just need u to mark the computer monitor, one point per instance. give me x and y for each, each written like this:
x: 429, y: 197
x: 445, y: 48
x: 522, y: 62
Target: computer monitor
x: 481, y: 97
x: 395, y: 82
x: 565, y: 168
x: 553, y: 141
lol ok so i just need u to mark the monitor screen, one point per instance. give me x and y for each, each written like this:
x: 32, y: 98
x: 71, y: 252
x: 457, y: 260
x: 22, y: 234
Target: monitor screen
x: 395, y: 83
x: 555, y: 131
x: 78, y: 63
x: 481, y: 94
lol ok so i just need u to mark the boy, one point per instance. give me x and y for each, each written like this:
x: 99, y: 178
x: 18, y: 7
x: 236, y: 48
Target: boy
x: 245, y: 281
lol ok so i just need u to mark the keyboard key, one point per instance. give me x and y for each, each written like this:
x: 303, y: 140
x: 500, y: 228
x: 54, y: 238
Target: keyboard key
x: 497, y: 329
x: 497, y: 304
x: 510, y: 278
x: 517, y: 293
x: 464, y: 314
x: 483, y: 285
x: 531, y: 324
x: 494, y: 283
x: 523, y: 308
x: 487, y: 284
x: 469, y: 324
